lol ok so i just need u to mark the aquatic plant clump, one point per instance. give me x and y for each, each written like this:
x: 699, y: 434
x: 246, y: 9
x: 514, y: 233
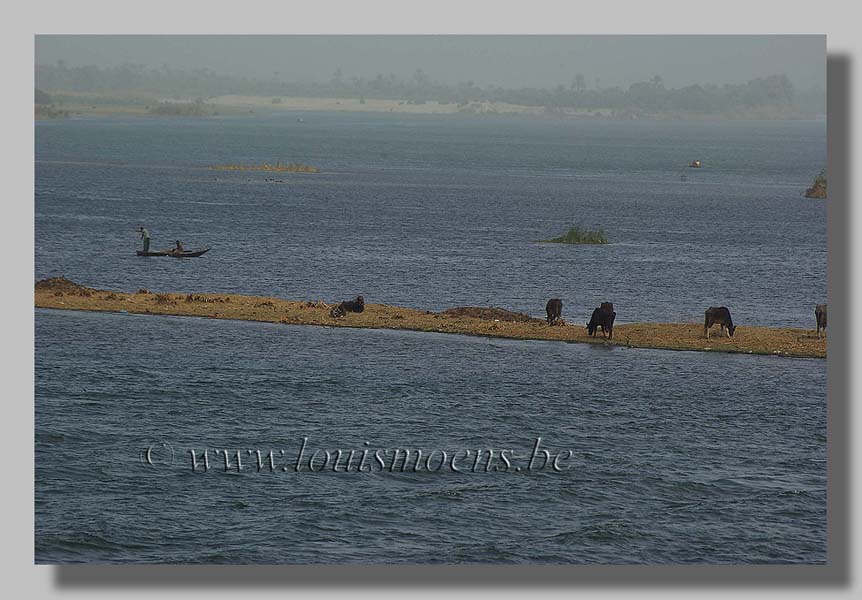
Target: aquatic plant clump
x: 276, y: 168
x: 818, y: 188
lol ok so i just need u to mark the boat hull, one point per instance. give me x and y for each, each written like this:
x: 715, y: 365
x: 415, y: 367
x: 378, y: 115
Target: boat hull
x: 175, y: 254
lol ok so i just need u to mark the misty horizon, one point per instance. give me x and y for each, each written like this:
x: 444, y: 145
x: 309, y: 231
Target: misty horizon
x: 488, y: 61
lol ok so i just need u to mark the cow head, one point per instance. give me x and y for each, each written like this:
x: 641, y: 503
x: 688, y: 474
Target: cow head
x: 731, y: 329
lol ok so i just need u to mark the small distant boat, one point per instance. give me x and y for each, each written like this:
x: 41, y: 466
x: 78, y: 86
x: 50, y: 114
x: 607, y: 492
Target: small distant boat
x: 300, y: 120
x: 695, y: 164
x: 174, y: 253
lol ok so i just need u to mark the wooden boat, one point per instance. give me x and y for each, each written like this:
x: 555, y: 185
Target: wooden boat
x: 174, y: 253
x: 695, y: 164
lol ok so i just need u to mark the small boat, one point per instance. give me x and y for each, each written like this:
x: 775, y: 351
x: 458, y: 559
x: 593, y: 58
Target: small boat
x: 695, y: 164
x: 174, y: 253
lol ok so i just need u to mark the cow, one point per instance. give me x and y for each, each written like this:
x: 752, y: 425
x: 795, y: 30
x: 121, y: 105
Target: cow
x: 554, y: 308
x: 820, y: 315
x: 718, y: 316
x: 357, y: 305
x: 602, y: 317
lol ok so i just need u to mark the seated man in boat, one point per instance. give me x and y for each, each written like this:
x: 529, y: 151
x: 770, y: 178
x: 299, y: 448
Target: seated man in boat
x: 179, y: 247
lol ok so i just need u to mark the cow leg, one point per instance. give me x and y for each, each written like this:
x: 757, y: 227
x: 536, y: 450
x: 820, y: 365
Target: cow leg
x: 706, y: 331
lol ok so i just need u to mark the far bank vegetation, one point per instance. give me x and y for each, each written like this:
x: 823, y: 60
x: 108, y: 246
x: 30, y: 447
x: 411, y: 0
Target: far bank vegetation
x: 198, y: 108
x: 771, y: 97
x: 45, y: 107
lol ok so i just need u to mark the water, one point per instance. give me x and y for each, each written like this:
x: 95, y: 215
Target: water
x: 435, y: 212
x: 677, y: 457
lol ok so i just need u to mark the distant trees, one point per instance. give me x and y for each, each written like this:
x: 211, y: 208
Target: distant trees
x: 580, y: 84
x: 337, y: 80
x: 769, y: 95
x: 44, y: 106
x: 198, y: 108
x: 41, y: 97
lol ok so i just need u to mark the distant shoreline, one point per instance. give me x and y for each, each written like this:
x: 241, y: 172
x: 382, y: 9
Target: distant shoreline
x: 431, y: 107
x: 78, y: 105
x: 83, y: 104
x: 785, y: 342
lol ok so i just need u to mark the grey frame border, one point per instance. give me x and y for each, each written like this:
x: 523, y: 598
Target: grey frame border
x: 836, y: 574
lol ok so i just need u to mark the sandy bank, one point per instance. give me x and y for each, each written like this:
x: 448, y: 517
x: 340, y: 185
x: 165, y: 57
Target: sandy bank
x: 430, y: 107
x: 61, y: 294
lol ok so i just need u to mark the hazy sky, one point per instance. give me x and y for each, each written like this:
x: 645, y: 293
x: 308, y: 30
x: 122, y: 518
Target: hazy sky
x: 507, y: 61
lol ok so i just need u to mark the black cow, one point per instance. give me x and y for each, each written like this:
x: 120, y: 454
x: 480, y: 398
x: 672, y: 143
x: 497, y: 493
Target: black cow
x: 718, y: 316
x: 554, y: 308
x: 357, y: 305
x: 603, y: 317
x: 820, y: 315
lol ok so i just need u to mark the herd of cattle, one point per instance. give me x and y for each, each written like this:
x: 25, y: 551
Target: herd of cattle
x: 604, y: 316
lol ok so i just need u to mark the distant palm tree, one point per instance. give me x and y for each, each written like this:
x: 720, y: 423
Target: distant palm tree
x: 580, y: 83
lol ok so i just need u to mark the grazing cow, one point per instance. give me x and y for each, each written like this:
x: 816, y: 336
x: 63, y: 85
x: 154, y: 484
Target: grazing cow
x: 357, y: 305
x: 820, y: 315
x: 718, y: 316
x: 602, y: 317
x: 554, y: 308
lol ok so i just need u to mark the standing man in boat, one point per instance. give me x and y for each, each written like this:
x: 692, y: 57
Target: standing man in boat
x: 145, y: 235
